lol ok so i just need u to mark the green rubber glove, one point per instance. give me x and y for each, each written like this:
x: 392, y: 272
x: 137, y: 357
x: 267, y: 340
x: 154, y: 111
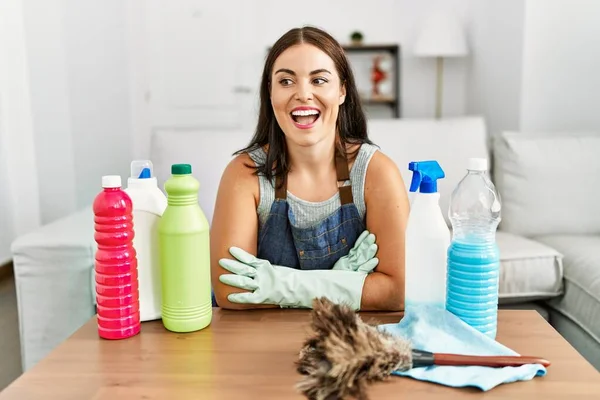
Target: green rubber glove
x: 361, y: 257
x: 288, y: 287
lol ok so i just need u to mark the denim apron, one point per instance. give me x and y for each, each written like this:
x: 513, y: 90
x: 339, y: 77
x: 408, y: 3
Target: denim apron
x: 316, y: 247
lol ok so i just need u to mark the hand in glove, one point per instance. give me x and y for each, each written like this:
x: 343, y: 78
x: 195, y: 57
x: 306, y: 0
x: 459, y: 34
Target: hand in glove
x: 288, y: 287
x: 361, y: 257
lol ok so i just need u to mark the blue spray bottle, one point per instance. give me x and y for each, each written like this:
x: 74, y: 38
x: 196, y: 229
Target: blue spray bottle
x: 427, y: 239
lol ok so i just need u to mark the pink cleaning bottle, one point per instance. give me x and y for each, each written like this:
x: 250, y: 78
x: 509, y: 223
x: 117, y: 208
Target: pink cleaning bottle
x: 117, y: 294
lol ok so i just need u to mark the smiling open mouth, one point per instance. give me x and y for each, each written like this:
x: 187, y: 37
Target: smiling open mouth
x: 305, y: 117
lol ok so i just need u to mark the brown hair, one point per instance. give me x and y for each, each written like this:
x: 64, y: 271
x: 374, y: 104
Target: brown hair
x: 351, y: 122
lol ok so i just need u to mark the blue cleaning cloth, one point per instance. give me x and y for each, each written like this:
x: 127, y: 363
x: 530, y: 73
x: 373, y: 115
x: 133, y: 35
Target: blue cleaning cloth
x: 440, y: 331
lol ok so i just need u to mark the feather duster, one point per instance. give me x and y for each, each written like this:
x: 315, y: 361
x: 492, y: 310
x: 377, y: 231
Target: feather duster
x: 343, y: 355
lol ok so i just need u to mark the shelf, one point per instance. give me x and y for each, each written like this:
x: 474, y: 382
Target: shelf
x: 382, y: 100
x: 389, y: 48
x: 392, y: 101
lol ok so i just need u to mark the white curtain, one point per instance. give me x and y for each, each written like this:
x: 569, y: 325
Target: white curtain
x: 19, y: 193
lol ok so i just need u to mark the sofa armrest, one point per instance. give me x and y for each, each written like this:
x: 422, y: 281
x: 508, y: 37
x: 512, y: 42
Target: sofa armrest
x: 53, y: 268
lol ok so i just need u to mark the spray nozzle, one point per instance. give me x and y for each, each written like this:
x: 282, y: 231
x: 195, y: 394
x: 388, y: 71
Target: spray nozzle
x: 141, y: 169
x: 145, y: 174
x: 425, y: 176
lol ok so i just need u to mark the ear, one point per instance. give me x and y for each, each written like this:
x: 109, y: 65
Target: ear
x: 342, y: 94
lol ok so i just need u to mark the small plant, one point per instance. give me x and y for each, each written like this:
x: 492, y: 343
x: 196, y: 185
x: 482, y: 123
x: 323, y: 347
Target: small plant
x: 356, y: 37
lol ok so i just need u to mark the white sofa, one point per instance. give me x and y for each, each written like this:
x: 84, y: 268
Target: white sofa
x: 550, y: 184
x: 53, y: 265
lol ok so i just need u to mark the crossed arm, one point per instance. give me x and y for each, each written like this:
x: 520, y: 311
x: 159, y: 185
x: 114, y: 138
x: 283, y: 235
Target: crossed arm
x: 387, y: 207
x: 235, y: 223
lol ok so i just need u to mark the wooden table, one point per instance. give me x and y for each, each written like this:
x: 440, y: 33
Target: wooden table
x: 251, y: 354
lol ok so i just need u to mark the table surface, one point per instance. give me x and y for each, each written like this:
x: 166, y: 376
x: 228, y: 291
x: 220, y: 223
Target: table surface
x: 251, y: 354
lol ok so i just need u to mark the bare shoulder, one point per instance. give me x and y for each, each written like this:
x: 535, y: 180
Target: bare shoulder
x: 239, y: 176
x: 240, y: 165
x: 383, y: 175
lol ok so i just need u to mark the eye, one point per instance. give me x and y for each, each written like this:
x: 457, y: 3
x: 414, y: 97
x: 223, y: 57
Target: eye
x: 285, y: 82
x: 319, y: 81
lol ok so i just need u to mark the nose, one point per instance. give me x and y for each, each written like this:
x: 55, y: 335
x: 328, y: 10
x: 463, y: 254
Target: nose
x: 304, y: 92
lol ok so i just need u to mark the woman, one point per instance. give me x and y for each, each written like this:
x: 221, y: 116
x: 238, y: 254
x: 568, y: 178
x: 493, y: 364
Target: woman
x: 298, y: 210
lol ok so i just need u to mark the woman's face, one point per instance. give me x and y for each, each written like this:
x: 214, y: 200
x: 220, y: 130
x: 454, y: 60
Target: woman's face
x: 306, y: 94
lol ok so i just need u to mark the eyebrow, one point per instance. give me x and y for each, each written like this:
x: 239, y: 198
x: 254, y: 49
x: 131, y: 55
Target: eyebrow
x: 289, y: 71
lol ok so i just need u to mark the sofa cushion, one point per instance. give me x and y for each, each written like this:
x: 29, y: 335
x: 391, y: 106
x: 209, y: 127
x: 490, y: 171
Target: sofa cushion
x: 529, y: 270
x: 581, y: 299
x: 537, y: 175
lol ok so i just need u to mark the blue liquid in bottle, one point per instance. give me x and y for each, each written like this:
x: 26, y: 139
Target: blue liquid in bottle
x: 473, y: 255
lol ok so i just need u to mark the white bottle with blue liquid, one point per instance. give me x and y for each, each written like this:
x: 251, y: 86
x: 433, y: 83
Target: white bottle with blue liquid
x: 473, y: 256
x: 149, y: 204
x: 427, y: 239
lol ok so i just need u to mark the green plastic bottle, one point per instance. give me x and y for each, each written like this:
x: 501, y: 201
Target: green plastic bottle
x: 184, y: 255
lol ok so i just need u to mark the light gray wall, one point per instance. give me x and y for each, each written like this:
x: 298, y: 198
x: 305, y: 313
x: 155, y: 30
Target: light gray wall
x: 561, y: 64
x: 96, y: 43
x: 496, y: 32
x: 534, y: 65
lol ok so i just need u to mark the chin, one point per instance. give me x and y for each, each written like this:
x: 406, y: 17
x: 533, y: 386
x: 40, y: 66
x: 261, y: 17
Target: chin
x: 308, y: 141
x: 306, y: 137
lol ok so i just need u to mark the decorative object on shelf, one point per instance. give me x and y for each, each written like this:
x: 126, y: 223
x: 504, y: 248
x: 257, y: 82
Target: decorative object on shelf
x: 380, y: 91
x: 356, y: 37
x: 441, y: 35
x: 377, y: 75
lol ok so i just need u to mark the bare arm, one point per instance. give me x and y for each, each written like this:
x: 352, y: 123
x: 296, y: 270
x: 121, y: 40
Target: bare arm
x: 387, y: 214
x: 235, y: 223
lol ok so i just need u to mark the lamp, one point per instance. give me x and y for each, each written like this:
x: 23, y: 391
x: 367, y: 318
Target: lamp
x: 441, y: 36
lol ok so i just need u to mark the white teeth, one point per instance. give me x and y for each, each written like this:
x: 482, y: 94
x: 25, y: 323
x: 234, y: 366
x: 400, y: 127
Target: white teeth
x: 301, y: 113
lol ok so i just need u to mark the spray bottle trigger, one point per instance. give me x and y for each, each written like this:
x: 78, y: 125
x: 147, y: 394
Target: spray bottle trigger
x: 416, y: 181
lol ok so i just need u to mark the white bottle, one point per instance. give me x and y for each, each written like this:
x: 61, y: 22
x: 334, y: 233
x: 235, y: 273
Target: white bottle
x: 427, y: 240
x: 149, y: 203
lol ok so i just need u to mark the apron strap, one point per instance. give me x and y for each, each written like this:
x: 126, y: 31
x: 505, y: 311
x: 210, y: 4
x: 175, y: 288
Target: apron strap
x: 281, y: 187
x: 342, y: 172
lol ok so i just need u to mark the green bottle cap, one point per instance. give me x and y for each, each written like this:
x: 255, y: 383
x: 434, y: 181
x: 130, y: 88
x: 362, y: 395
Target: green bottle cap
x: 181, y: 169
